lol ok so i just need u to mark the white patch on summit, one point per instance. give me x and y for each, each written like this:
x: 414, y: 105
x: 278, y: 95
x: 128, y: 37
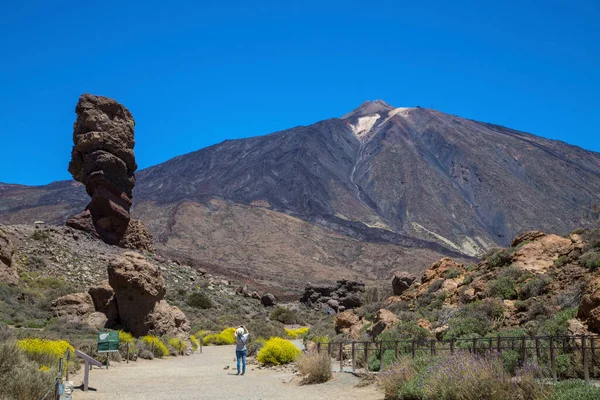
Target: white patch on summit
x: 400, y: 110
x: 364, y: 125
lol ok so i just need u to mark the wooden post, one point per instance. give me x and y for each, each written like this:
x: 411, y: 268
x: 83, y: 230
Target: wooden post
x: 86, y: 375
x: 553, y: 359
x: 367, y: 356
x: 586, y: 367
x: 432, y: 345
x: 452, y: 346
x: 319, y: 347
x: 396, y: 344
x: 58, y: 382
x: 200, y: 346
x: 474, y: 345
x: 523, y: 350
x: 593, y: 345
x: 353, y: 357
x: 67, y: 364
x: 413, y: 350
x: 127, y: 353
x: 538, y: 354
x: 341, y: 356
x: 491, y: 346
x: 499, y: 348
x: 381, y: 352
x: 153, y: 348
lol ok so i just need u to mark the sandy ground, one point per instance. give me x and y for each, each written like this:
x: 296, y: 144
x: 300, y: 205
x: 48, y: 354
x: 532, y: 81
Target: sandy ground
x: 202, y: 376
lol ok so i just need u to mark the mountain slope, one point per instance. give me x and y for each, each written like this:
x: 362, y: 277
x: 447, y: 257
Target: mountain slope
x: 411, y: 184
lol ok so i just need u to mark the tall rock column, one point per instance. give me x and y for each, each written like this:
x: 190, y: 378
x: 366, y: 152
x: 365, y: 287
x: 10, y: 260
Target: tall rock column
x: 103, y: 160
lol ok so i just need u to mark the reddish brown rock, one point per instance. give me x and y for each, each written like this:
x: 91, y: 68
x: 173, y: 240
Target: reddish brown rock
x: 527, y: 237
x: 384, y: 320
x: 139, y: 290
x: 73, y: 306
x: 102, y: 159
x: 401, y: 282
x: 541, y: 252
x: 105, y: 302
x: 8, y: 272
x: 349, y: 323
x: 437, y: 269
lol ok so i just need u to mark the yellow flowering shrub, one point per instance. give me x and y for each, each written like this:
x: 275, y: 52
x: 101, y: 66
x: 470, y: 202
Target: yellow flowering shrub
x: 227, y: 336
x: 160, y: 350
x: 45, y: 352
x: 195, y: 342
x: 126, y: 337
x: 278, y: 351
x: 296, y: 333
x: 178, y: 345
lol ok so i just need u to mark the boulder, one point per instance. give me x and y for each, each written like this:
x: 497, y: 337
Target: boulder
x: 139, y: 290
x: 589, y: 308
x: 351, y: 301
x: 268, y: 300
x: 347, y: 322
x: 345, y: 292
x: 105, y: 302
x: 102, y: 159
x: 401, y: 282
x: 438, y: 268
x: 97, y: 320
x: 243, y: 290
x: 384, y: 319
x: 333, y: 304
x: 73, y: 306
x: 255, y: 295
x: 539, y: 254
x: 8, y: 272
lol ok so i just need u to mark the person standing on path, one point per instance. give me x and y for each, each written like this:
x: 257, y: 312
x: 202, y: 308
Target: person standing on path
x: 241, y: 338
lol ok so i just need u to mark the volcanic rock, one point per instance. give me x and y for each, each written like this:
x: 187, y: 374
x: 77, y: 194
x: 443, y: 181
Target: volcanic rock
x: 105, y: 302
x: 402, y: 281
x: 102, y: 159
x: 349, y: 323
x: 137, y: 237
x: 343, y: 293
x: 268, y: 300
x: 384, y: 319
x: 140, y: 289
x: 8, y: 273
x: 541, y: 252
x: 73, y: 306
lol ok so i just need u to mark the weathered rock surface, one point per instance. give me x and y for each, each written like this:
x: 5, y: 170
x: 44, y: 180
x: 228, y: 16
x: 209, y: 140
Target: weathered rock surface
x: 105, y: 302
x: 344, y: 294
x: 402, y: 281
x: 137, y: 237
x: 73, y: 306
x: 541, y: 252
x: 8, y: 273
x: 384, y: 319
x: 102, y: 159
x: 268, y: 300
x: 349, y: 323
x: 140, y: 289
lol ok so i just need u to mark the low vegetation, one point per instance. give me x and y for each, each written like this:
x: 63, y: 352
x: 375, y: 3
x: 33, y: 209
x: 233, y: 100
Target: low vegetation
x: 314, y: 367
x: 226, y: 337
x: 296, y: 333
x: 278, y: 351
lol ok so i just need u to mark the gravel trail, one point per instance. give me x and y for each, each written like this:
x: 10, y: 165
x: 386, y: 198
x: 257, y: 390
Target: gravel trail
x: 202, y: 376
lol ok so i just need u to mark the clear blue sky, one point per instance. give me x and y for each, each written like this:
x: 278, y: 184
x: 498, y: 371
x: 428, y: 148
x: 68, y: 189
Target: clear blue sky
x: 196, y: 73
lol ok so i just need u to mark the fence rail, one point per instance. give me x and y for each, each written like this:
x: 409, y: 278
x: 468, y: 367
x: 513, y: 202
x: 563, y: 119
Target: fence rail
x: 558, y: 356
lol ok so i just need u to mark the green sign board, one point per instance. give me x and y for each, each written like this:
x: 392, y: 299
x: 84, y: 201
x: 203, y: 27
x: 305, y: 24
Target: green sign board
x: 108, y: 342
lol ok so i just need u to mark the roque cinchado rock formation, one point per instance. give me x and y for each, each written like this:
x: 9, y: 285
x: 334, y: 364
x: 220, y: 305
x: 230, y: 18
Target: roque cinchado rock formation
x: 103, y: 160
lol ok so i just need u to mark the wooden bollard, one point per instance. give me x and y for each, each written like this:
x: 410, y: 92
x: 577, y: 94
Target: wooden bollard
x: 367, y: 356
x: 341, y: 356
x: 553, y: 359
x: 586, y: 367
x: 381, y: 352
x: 353, y: 357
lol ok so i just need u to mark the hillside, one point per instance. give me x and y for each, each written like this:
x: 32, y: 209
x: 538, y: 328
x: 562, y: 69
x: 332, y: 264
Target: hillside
x: 377, y: 190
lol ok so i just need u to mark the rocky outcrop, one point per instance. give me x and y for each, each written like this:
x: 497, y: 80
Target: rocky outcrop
x: 438, y: 269
x: 384, y: 319
x: 138, y: 237
x: 139, y: 290
x: 73, y: 307
x: 540, y: 253
x: 103, y: 160
x: 350, y: 324
x: 8, y: 273
x: 344, y: 294
x: 589, y: 307
x: 268, y: 300
x: 105, y: 302
x: 401, y: 282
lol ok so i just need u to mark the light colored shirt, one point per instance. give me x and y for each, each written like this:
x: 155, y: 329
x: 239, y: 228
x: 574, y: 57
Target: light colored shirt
x: 241, y: 342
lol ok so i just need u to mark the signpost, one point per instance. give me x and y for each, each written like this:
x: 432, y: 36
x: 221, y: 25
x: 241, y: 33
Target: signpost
x: 88, y: 361
x: 108, y: 342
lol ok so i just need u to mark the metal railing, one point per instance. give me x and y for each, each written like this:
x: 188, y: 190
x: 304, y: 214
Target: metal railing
x: 558, y: 356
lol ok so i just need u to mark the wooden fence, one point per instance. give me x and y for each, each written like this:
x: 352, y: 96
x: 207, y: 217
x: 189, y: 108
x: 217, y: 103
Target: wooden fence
x: 558, y: 356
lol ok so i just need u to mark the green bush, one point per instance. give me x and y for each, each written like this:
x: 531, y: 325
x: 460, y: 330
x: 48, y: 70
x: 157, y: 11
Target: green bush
x: 591, y: 260
x: 284, y: 315
x: 535, y: 287
x: 500, y: 258
x: 278, y: 351
x: 561, y: 261
x: 20, y: 378
x: 571, y: 390
x: 199, y: 300
x: 452, y: 273
x: 466, y: 326
x: 558, y: 325
x: 504, y: 287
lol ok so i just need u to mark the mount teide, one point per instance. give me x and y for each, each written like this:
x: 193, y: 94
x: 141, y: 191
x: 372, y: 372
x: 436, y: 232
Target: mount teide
x: 379, y: 189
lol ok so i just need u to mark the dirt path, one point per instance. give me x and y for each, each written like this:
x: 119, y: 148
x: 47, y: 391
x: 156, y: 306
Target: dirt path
x: 201, y: 376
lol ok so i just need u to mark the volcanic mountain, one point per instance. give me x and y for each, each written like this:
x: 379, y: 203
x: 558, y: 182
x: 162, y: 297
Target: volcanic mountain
x: 377, y: 190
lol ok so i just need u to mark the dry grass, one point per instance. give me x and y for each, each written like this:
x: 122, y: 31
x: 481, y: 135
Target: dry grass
x: 314, y: 367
